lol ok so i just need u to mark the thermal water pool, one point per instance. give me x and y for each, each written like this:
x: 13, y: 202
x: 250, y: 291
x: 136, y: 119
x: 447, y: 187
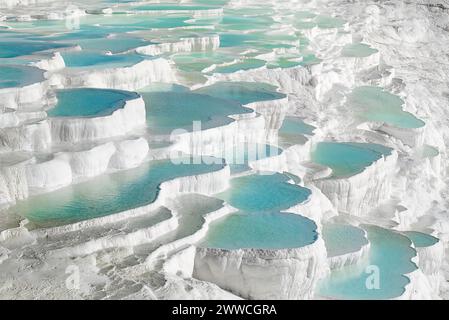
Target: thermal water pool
x: 347, y: 158
x: 93, y: 59
x: 421, y: 240
x: 265, y: 192
x: 243, y: 92
x: 260, y: 230
x: 342, y: 239
x: 107, y: 194
x: 374, y: 104
x: 294, y: 131
x: 87, y: 102
x: 171, y: 110
x: 389, y: 259
x: 19, y: 76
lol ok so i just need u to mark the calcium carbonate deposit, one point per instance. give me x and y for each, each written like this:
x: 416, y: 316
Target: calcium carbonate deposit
x: 224, y: 149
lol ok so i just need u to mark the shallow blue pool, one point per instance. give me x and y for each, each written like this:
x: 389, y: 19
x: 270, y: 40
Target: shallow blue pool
x: 19, y: 76
x: 390, y: 258
x: 87, y: 102
x: 375, y: 104
x: 171, y: 110
x: 106, y: 194
x: 348, y: 159
x: 271, y: 192
x: 421, y: 240
x: 261, y: 230
x: 342, y: 239
x: 77, y: 59
x: 243, y: 92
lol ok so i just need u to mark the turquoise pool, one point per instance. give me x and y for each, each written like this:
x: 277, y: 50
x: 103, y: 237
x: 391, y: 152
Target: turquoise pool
x: 390, y: 254
x: 87, y: 102
x: 270, y: 192
x: 348, y: 159
x: 342, y: 239
x: 242, y: 92
x: 106, y: 194
x: 421, y: 240
x: 375, y: 104
x: 171, y: 110
x: 260, y: 230
x: 81, y: 59
x: 19, y: 76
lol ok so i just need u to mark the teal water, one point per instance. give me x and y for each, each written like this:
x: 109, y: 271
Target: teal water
x: 348, y: 159
x: 375, y: 104
x: 17, y: 48
x: 271, y: 192
x: 294, y: 126
x: 391, y: 253
x: 358, y: 50
x: 77, y: 59
x: 242, y: 92
x: 106, y: 194
x: 264, y: 230
x: 171, y: 7
x: 19, y: 76
x: 89, y: 102
x: 168, y: 111
x: 421, y: 240
x: 342, y: 239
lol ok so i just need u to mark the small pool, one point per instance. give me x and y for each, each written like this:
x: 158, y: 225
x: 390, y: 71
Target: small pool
x: 341, y: 239
x: 19, y: 76
x: 358, y: 50
x: 260, y: 230
x: 390, y: 254
x: 270, y: 192
x: 107, y: 194
x: 10, y: 48
x: 421, y: 240
x: 89, y: 102
x: 81, y: 59
x: 242, y: 92
x: 374, y: 104
x: 294, y: 126
x: 348, y: 159
x: 171, y: 110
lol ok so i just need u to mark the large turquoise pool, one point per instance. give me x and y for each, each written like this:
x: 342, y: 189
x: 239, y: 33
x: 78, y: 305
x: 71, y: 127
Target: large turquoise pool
x: 87, y: 102
x: 342, y: 239
x: 242, y: 92
x: 261, y: 230
x: 77, y: 59
x: 375, y: 104
x: 270, y: 192
x: 171, y: 110
x: 106, y: 194
x: 348, y: 159
x: 19, y: 76
x: 421, y: 240
x: 389, y: 258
